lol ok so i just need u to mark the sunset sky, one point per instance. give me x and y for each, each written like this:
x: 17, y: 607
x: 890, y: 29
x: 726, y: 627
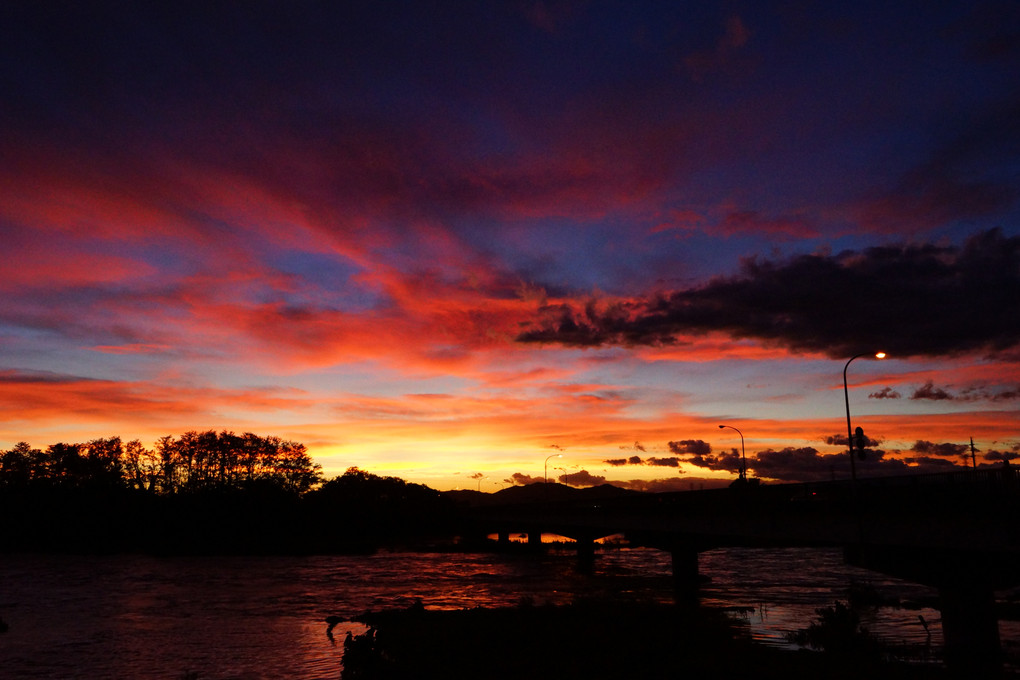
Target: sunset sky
x: 445, y: 241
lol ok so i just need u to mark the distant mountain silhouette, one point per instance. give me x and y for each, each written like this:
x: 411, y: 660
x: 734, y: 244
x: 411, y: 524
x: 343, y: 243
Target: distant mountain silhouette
x: 538, y: 492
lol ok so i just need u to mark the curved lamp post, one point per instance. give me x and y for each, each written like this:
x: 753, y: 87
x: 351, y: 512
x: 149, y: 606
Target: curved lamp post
x: 849, y: 431
x: 743, y: 456
x: 555, y: 455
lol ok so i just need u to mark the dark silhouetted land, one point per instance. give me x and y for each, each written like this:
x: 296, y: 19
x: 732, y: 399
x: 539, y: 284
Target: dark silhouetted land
x: 202, y: 493
x: 590, y: 641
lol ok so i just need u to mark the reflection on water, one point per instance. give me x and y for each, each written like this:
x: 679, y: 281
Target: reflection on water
x: 263, y: 617
x: 782, y: 588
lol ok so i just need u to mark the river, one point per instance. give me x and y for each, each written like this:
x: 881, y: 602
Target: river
x: 253, y: 618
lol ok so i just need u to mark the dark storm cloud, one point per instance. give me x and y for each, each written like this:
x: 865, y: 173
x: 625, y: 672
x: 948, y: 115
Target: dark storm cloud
x: 582, y: 478
x: 671, y: 461
x: 519, y: 478
x: 804, y: 464
x: 885, y: 393
x: 617, y: 462
x: 690, y: 446
x: 729, y: 462
x: 909, y: 300
x: 1001, y: 456
x: 840, y: 440
x: 945, y: 449
x: 808, y: 465
x: 663, y: 462
x: 930, y: 392
x: 923, y: 464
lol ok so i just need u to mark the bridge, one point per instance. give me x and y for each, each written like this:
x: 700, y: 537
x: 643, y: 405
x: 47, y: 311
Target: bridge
x: 957, y: 532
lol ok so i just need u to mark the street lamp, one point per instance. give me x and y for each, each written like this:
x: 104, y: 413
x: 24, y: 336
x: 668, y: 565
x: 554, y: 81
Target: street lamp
x: 555, y: 455
x: 743, y: 456
x: 849, y: 431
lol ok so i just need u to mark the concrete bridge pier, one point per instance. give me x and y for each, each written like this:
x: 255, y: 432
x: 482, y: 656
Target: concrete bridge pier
x: 966, y: 584
x: 971, y: 631
x: 585, y: 553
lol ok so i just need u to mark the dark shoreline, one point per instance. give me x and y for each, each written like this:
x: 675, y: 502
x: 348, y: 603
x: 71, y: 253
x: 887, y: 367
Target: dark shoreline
x: 591, y: 640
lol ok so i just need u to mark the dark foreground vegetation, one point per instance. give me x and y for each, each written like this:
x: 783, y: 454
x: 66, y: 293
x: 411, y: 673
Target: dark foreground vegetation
x: 203, y: 492
x: 591, y: 641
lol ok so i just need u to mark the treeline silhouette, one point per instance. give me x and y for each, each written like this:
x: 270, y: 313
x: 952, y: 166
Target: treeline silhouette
x: 202, y: 492
x: 194, y: 461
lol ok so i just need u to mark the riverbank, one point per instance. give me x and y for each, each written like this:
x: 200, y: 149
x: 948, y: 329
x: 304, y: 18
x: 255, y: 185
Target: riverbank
x: 589, y: 640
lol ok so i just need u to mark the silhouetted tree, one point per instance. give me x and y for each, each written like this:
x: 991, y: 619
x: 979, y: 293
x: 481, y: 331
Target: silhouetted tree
x: 368, y: 507
x: 102, y: 466
x: 202, y: 491
x: 205, y: 461
x: 141, y: 466
x: 167, y: 474
x: 65, y: 465
x: 22, y: 465
x: 294, y: 467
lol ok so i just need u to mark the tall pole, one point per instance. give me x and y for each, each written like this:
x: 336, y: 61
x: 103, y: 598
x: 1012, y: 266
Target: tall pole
x: 743, y: 456
x: 849, y: 431
x: 555, y: 455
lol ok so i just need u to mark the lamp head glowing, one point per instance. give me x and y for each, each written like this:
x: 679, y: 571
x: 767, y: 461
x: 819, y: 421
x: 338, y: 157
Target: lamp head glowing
x: 880, y: 355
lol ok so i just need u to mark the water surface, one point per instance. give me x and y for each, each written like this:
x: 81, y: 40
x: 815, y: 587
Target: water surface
x: 245, y: 618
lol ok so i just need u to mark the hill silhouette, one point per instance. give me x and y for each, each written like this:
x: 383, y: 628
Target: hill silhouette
x: 537, y: 492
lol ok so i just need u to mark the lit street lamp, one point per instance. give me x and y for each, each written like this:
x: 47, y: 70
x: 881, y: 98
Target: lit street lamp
x: 743, y: 456
x: 555, y: 455
x: 849, y: 431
